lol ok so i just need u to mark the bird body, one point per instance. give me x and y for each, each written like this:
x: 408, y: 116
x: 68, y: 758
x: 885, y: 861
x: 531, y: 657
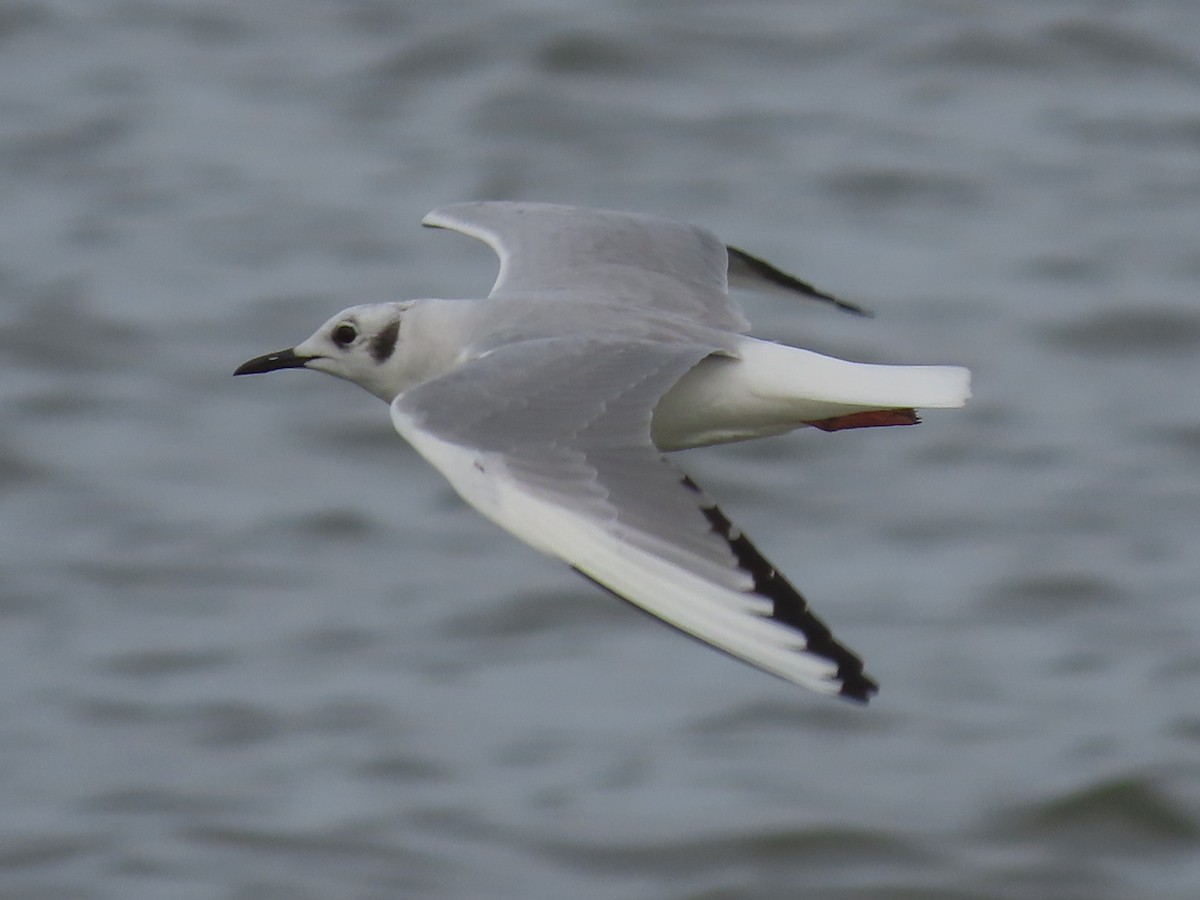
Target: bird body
x: 607, y: 340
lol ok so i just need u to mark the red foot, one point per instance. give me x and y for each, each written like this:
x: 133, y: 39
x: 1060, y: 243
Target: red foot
x: 869, y: 419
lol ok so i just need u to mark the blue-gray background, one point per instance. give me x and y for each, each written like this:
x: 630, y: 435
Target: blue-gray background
x: 252, y: 647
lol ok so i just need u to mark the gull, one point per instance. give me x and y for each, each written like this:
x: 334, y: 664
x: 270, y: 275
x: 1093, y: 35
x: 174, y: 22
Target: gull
x: 608, y: 340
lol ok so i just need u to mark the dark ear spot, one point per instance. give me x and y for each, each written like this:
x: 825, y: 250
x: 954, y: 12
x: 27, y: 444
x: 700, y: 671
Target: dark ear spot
x: 384, y: 343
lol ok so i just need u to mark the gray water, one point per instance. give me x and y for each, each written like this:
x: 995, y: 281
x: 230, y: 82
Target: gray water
x: 252, y: 647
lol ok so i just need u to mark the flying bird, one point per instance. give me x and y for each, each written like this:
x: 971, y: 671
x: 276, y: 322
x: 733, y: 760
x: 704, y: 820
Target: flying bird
x: 608, y: 340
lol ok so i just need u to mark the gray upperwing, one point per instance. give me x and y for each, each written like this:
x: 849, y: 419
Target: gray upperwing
x: 643, y: 260
x: 646, y: 262
x: 569, y: 419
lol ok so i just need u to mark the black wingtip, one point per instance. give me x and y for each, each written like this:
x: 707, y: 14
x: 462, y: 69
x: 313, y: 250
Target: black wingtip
x: 790, y: 607
x: 857, y: 687
x: 740, y: 260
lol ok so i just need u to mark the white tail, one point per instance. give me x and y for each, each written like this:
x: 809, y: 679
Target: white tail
x: 773, y: 388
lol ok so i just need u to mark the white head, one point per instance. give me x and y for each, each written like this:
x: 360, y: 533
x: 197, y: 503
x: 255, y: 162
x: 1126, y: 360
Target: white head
x: 360, y: 344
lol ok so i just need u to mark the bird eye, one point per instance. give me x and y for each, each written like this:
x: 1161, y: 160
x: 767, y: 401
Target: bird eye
x: 344, y: 334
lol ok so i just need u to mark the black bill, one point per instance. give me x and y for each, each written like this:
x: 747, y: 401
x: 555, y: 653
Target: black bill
x: 280, y: 359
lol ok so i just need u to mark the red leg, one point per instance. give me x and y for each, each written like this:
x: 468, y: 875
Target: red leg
x: 870, y: 419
